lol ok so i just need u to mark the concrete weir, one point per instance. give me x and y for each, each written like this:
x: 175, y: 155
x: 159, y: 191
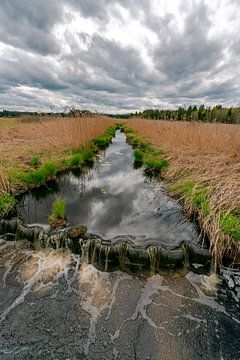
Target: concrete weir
x: 106, y: 255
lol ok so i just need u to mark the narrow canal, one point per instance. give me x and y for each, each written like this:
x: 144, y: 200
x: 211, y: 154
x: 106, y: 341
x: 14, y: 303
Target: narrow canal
x: 54, y: 304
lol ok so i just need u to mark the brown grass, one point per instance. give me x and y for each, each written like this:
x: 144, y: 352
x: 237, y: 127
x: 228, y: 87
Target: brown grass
x: 55, y: 134
x: 206, y: 153
x: 22, y: 139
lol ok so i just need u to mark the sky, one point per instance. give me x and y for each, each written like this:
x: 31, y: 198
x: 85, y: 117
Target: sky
x: 118, y: 56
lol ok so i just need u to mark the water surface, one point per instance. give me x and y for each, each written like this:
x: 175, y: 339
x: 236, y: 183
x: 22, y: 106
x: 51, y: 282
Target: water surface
x: 54, y: 306
x: 115, y: 201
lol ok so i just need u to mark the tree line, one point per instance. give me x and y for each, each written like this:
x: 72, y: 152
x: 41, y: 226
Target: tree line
x: 216, y: 114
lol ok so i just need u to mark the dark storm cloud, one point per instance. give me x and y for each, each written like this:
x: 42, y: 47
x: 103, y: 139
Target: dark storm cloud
x: 186, y: 63
x: 28, y: 24
x: 123, y: 64
x: 30, y: 71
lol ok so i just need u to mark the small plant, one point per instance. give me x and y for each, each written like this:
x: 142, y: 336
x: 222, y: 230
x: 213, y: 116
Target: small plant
x: 38, y: 177
x: 33, y: 178
x: 138, y: 155
x: 76, y: 160
x: 230, y: 225
x: 34, y: 162
x: 57, y: 218
x: 48, y: 169
x: 88, y: 155
x: 7, y: 203
x: 155, y: 165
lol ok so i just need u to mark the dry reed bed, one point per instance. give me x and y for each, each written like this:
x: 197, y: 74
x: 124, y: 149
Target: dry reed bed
x: 54, y: 134
x: 45, y: 136
x: 205, y: 153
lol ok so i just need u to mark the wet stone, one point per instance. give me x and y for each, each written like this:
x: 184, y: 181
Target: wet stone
x: 76, y: 232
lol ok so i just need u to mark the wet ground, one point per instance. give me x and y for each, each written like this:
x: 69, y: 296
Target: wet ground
x: 53, y: 305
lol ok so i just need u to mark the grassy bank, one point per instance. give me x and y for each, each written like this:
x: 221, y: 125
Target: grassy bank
x: 144, y: 153
x: 199, y: 162
x: 203, y: 173
x: 44, y: 166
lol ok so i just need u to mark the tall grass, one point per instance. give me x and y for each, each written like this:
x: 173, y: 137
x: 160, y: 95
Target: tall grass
x: 33, y: 151
x: 205, y: 169
x: 22, y: 140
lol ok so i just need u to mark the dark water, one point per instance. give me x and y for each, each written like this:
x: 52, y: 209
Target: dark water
x: 115, y: 201
x: 53, y: 305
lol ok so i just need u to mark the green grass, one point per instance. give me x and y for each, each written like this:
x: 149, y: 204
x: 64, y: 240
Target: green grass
x: 58, y: 210
x: 138, y: 155
x: 104, y: 140
x: 76, y: 160
x: 155, y: 164
x: 195, y: 193
x: 88, y: 154
x: 35, y: 174
x: 230, y: 225
x: 40, y: 176
x: 145, y: 153
x: 7, y: 203
x: 35, y: 161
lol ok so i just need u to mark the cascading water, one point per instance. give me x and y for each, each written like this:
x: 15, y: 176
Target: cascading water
x: 55, y: 303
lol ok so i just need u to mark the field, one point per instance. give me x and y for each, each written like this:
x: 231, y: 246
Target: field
x: 204, y: 163
x: 205, y: 171
x: 42, y: 138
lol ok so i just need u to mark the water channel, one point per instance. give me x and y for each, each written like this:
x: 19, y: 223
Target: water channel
x: 54, y: 304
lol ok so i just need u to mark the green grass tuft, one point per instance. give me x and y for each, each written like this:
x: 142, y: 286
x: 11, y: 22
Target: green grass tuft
x: 230, y: 225
x: 155, y: 164
x: 58, y: 210
x: 48, y: 169
x: 76, y: 160
x: 138, y: 155
x: 34, y: 162
x: 194, y: 192
x: 7, y: 203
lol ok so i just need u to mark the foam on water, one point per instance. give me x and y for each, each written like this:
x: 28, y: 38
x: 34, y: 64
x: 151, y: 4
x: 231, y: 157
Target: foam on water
x: 115, y: 304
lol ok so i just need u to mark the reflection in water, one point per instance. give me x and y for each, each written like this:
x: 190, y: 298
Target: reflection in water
x: 58, y: 307
x: 115, y: 200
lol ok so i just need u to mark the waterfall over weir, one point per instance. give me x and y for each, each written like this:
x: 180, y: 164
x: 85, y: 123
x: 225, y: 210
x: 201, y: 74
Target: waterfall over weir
x: 105, y: 255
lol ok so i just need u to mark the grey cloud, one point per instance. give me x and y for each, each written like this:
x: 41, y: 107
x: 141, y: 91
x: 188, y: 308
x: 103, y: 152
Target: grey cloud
x: 182, y: 55
x: 28, y: 24
x: 30, y: 71
x: 98, y: 72
x: 99, y: 9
